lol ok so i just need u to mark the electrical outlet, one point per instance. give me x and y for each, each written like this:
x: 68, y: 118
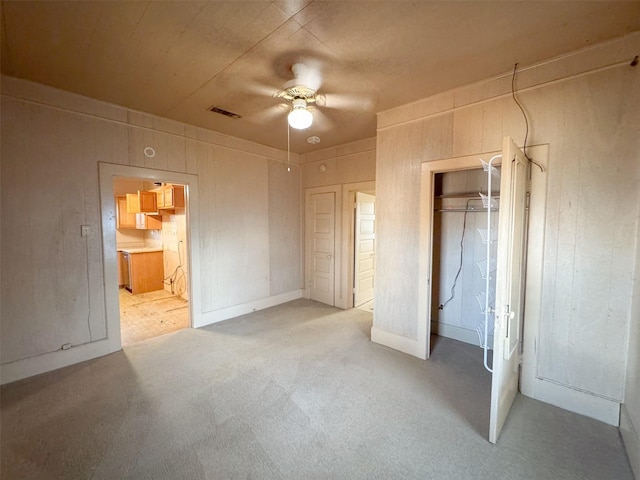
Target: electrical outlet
x: 85, y: 230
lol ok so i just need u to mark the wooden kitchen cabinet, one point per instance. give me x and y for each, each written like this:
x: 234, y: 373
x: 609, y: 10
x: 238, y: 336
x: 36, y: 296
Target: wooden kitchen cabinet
x: 146, y: 270
x: 121, y: 270
x: 142, y: 202
x: 170, y: 197
x: 140, y: 221
x: 124, y: 219
x: 148, y: 222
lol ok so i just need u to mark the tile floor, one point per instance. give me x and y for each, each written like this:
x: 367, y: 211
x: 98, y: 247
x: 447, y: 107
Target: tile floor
x: 151, y: 314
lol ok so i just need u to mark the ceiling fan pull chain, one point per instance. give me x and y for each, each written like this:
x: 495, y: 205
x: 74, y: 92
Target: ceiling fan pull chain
x: 288, y: 149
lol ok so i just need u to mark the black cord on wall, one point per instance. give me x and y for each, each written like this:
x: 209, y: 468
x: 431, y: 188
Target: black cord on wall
x: 173, y: 278
x: 455, y: 280
x: 526, y: 120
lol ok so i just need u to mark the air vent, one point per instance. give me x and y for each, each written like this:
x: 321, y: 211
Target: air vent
x: 222, y: 111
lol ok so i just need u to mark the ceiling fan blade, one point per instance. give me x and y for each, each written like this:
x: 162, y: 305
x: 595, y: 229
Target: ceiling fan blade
x: 307, y: 74
x: 260, y: 89
x: 344, y: 102
x: 269, y: 114
x: 320, y: 120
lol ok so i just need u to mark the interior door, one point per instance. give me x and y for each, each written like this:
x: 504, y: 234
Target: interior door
x: 509, y: 284
x: 364, y: 249
x: 322, y: 247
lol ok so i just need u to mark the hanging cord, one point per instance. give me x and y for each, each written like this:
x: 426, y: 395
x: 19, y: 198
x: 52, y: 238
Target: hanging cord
x: 455, y: 280
x: 288, y: 148
x: 173, y: 278
x: 526, y: 120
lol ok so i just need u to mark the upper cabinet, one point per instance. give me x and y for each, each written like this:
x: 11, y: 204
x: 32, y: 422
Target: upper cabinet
x: 169, y: 197
x: 142, y: 202
x: 143, y: 210
x: 148, y: 222
x: 124, y: 219
x: 140, y: 221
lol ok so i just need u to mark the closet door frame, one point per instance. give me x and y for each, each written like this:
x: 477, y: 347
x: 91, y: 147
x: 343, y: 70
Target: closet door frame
x: 427, y: 191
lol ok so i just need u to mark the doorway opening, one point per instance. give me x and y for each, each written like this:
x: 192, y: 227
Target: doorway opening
x: 461, y: 269
x: 151, y: 245
x: 363, y: 248
x: 336, y: 218
x: 510, y: 267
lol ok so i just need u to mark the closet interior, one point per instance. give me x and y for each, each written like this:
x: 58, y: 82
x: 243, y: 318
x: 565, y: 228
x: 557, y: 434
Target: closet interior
x: 465, y: 227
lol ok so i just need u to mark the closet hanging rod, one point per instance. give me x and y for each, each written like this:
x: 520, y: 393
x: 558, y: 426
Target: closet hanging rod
x: 468, y: 210
x: 466, y: 195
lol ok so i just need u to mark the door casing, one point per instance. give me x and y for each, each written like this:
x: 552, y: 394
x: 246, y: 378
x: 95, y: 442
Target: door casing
x: 107, y: 172
x: 533, y: 261
x: 344, y: 238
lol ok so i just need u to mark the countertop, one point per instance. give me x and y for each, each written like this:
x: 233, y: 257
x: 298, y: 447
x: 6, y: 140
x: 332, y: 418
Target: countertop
x: 139, y: 249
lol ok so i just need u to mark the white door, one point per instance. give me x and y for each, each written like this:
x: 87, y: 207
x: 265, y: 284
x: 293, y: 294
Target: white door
x: 364, y: 249
x: 509, y: 284
x: 321, y: 210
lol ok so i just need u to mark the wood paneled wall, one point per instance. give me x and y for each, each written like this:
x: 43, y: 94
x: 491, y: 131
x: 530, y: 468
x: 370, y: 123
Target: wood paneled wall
x: 630, y: 414
x: 585, y: 107
x: 52, y: 278
x: 350, y: 163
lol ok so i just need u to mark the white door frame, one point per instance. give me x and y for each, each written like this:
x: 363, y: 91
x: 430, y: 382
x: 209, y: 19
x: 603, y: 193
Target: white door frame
x: 427, y: 191
x: 343, y: 271
x: 534, y: 254
x: 335, y: 189
x: 107, y: 173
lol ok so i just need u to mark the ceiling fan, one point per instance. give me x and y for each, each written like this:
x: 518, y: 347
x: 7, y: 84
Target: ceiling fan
x: 299, y: 93
x: 301, y: 98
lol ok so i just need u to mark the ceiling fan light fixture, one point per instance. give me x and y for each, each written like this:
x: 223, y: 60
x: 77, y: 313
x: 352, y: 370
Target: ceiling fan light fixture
x: 299, y: 117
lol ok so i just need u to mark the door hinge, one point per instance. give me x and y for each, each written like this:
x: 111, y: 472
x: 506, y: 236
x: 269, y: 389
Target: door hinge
x: 354, y: 290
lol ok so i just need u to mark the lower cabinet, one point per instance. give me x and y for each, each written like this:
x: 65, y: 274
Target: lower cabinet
x: 146, y: 270
x: 122, y: 269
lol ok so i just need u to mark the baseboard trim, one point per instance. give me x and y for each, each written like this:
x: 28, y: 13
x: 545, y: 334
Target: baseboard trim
x: 215, y: 316
x: 28, y: 367
x: 402, y: 343
x: 583, y: 403
x: 630, y: 439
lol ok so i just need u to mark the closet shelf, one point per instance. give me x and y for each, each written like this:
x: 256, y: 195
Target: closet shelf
x: 486, y: 201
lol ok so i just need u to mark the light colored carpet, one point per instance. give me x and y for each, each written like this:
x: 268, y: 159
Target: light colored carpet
x: 297, y: 391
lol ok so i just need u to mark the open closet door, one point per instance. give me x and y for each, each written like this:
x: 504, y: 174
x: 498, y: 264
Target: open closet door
x: 509, y: 284
x: 364, y: 248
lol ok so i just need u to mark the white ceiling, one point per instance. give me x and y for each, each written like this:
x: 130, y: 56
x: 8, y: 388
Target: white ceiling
x: 178, y: 58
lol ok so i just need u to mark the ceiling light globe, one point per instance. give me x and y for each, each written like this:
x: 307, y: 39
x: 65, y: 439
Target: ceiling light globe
x: 300, y: 118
